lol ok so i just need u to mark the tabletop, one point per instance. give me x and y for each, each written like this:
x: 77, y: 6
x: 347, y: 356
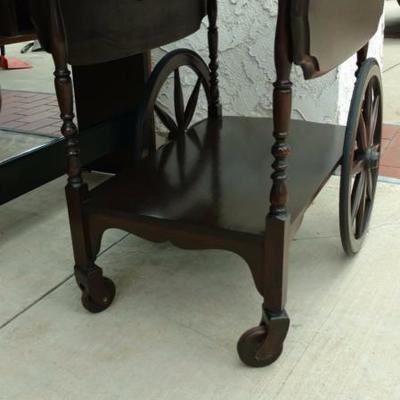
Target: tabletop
x: 324, y: 32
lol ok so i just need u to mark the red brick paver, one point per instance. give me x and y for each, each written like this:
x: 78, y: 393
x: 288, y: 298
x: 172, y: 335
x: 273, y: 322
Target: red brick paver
x: 390, y: 161
x: 30, y: 112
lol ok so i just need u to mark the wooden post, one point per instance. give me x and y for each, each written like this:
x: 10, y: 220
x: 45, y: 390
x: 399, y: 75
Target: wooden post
x: 76, y: 190
x: 278, y: 220
x: 212, y: 11
x: 64, y: 92
x: 362, y: 55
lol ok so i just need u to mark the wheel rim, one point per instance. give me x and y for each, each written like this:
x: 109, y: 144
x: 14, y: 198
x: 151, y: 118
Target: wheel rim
x: 361, y: 157
x: 177, y: 122
x: 184, y: 114
x: 366, y: 155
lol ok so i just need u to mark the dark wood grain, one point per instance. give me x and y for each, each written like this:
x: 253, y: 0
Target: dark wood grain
x: 64, y: 92
x: 207, y: 189
x: 5, y: 40
x: 113, y: 29
x: 15, y: 19
x: 97, y: 291
x: 121, y: 89
x: 106, y: 129
x: 227, y: 183
x: 215, y: 108
x: 277, y: 223
x: 326, y: 33
x: 205, y: 181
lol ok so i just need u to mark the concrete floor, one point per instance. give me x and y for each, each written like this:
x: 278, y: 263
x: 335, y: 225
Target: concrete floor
x: 37, y: 79
x: 172, y: 330
x: 391, y: 81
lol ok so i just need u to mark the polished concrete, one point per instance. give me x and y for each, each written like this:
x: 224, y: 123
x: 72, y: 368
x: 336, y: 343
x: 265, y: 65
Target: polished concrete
x: 172, y: 330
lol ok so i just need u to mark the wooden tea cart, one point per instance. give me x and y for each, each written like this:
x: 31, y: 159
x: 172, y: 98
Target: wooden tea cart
x: 224, y: 182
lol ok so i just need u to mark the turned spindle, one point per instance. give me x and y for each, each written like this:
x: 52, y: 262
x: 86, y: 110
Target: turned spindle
x: 215, y: 106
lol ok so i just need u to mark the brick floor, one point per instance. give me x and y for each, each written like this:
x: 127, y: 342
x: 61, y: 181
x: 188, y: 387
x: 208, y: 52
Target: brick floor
x: 30, y: 112
x: 390, y: 161
x: 38, y: 113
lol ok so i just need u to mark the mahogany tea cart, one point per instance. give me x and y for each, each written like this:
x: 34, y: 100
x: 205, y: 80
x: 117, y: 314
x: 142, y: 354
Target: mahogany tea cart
x: 233, y: 183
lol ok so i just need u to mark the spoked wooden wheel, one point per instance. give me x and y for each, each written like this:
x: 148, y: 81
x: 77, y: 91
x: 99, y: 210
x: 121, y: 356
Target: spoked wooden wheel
x: 361, y: 157
x: 179, y: 121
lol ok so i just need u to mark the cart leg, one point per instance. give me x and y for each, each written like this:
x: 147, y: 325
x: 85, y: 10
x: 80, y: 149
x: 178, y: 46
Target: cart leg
x: 362, y: 55
x: 277, y: 239
x: 262, y: 345
x: 215, y: 106
x: 98, y: 292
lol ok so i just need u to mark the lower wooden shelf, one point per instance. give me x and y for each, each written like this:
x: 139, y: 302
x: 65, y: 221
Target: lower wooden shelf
x: 217, y: 177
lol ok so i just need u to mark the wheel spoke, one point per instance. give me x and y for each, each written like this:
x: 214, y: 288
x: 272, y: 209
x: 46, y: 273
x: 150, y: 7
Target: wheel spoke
x: 179, y: 101
x: 357, y: 193
x: 376, y: 148
x: 370, y: 184
x: 360, y: 219
x: 368, y: 102
x: 373, y: 121
x: 192, y: 103
x: 165, y: 118
x: 358, y: 166
x: 362, y: 134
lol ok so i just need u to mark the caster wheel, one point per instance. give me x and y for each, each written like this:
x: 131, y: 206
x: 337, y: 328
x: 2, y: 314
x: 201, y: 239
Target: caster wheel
x: 251, y: 342
x: 95, y: 307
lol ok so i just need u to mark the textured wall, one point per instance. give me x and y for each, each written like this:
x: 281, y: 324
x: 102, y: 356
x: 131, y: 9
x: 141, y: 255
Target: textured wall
x: 346, y: 75
x: 246, y: 66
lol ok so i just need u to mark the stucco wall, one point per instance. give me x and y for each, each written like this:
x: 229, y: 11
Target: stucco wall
x: 346, y: 72
x: 246, y: 66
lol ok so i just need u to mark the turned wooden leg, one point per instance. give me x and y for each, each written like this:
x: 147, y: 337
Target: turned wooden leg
x: 97, y: 291
x: 262, y: 345
x: 215, y: 110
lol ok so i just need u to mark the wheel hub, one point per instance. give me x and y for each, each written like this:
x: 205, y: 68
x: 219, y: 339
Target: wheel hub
x: 371, y: 158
